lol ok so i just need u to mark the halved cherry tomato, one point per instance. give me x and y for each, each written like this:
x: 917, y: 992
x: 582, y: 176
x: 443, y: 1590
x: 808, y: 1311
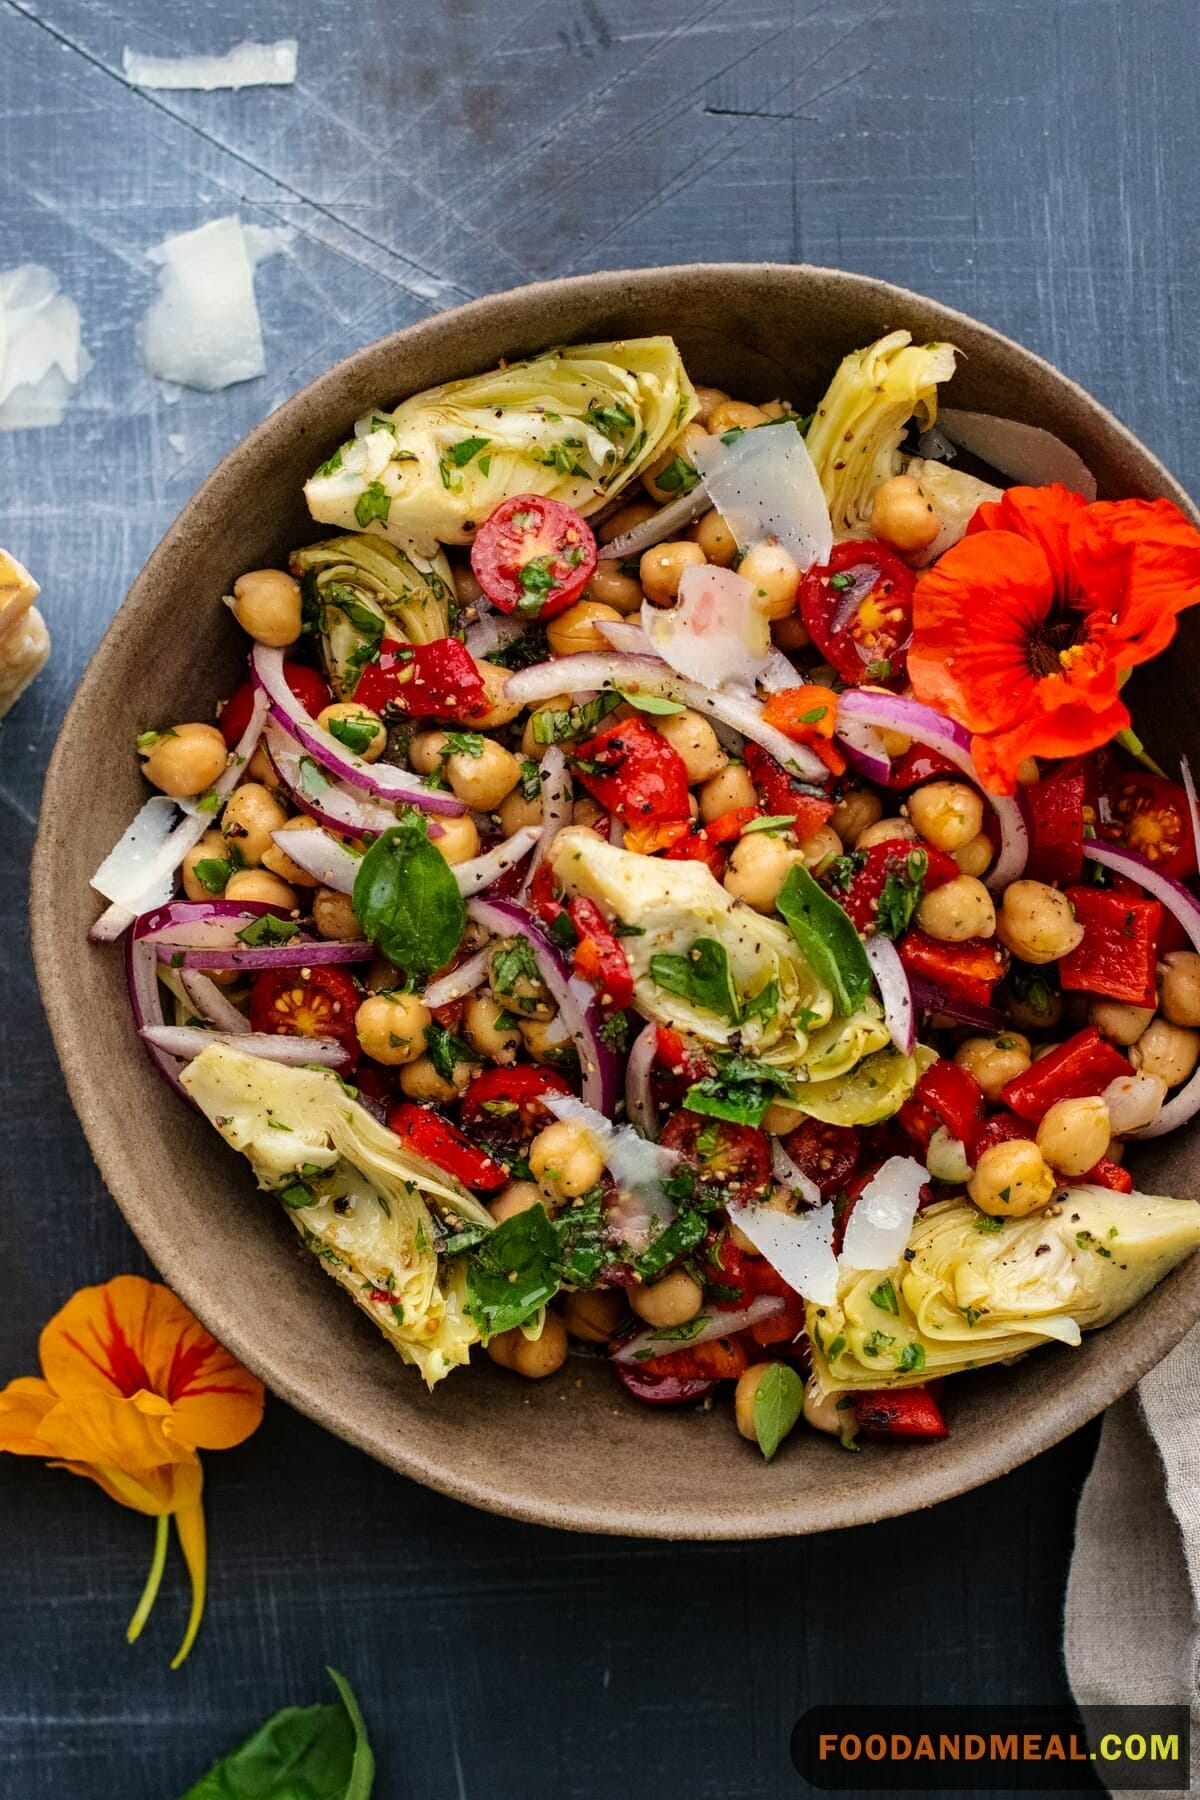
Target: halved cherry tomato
x: 533, y: 556
x: 677, y: 1065
x: 946, y: 1095
x: 633, y: 772
x: 859, y: 879
x: 737, y: 1157
x: 320, y: 1001
x: 857, y: 609
x: 598, y: 957
x: 427, y: 1134
x: 1149, y: 814
x: 827, y: 1154
x: 507, y: 1104
x: 784, y: 793
x: 439, y: 680
x: 311, y: 689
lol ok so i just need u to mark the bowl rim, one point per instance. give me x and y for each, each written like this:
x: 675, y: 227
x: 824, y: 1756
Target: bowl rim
x: 1072, y: 1403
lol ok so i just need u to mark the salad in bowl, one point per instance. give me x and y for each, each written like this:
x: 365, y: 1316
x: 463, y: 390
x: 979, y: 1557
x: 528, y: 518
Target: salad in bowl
x: 679, y: 879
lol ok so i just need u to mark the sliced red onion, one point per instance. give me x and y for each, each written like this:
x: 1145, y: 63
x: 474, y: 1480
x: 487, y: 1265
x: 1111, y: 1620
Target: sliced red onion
x: 891, y: 712
x: 947, y: 1157
x: 1024, y: 453
x: 298, y: 953
x: 211, y: 1004
x: 799, y: 1246
x: 640, y: 1109
x: 645, y: 674
x: 891, y: 978
x: 320, y: 856
x: 645, y: 1344
x: 668, y: 522
x: 930, y: 999
x: 187, y: 1041
x: 878, y: 1227
x: 464, y: 979
x: 381, y: 780
x: 1182, y: 906
x: 330, y: 803
x: 557, y: 801
x: 616, y: 831
x: 203, y: 934
x: 145, y: 1002
x: 481, y: 871
x: 1189, y: 788
x: 494, y: 631
x: 599, y: 1066
x: 631, y: 640
x: 864, y: 750
x: 786, y: 1169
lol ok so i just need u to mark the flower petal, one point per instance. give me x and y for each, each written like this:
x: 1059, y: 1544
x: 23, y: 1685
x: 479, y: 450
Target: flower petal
x: 1137, y: 562
x: 1043, y: 515
x: 1067, y: 732
x: 24, y: 1403
x: 100, y: 1429
x: 974, y: 614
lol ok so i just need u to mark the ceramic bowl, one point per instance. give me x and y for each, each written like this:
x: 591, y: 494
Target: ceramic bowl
x: 572, y: 1451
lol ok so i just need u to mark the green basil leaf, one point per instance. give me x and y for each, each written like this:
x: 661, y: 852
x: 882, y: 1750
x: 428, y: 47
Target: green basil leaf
x: 680, y: 1236
x: 827, y: 939
x: 652, y: 703
x: 444, y: 1050
x: 373, y: 503
x: 513, y: 1272
x: 885, y: 1299
x: 407, y: 900
x: 703, y: 977
x: 212, y: 873
x: 741, y: 1091
x: 357, y: 734
x: 300, y: 1753
x: 778, y: 1403
x: 261, y: 933
x: 582, y: 1246
x: 901, y: 895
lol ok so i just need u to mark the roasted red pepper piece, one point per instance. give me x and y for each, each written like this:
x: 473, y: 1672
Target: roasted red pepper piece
x: 633, y: 772
x: 1084, y: 1065
x: 858, y: 881
x: 436, y: 681
x: 728, y: 827
x: 427, y: 1134
x: 509, y: 1103
x: 968, y: 971
x: 1118, y: 952
x: 783, y: 793
x: 542, y: 898
x: 900, y: 1413
x: 1110, y: 1174
x: 718, y: 1359
x: 807, y: 715
x: 920, y: 764
x: 1055, y: 809
x: 598, y: 957
x: 945, y: 1095
x: 696, y: 845
x: 1001, y: 1128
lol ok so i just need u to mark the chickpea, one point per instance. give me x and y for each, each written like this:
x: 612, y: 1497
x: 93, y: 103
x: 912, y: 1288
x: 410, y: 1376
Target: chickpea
x: 855, y: 813
x: 419, y: 1080
x: 484, y: 1032
x: 681, y: 449
x: 251, y: 814
x: 707, y: 400
x: 280, y: 863
x: 1120, y: 1023
x: 425, y: 751
x: 780, y: 1118
x: 530, y: 747
x: 588, y: 813
x: 565, y: 1159
x: 572, y: 632
x: 261, y: 885
x: 758, y: 869
x: 729, y: 415
x: 497, y: 709
x: 535, y: 1358
x: 903, y: 515
x: 1012, y: 1179
x: 359, y: 716
x: 661, y: 569
x: 775, y: 576
x: 994, y: 1061
x: 697, y: 743
x: 825, y: 1412
x: 467, y: 590
x: 517, y: 1197
x: 743, y: 1398
x: 818, y: 848
x: 791, y: 633
x: 548, y: 1041
x: 266, y: 603
x: 714, y: 537
x: 975, y: 858
x: 260, y: 768
x: 211, y: 848
x: 1075, y: 1134
x: 459, y: 840
x: 483, y: 781
x: 626, y: 518
x: 610, y: 587
x: 185, y: 760
x: 722, y: 792
x: 1037, y: 923
x: 333, y: 916
x: 593, y: 1315
x: 1033, y: 1005
x: 1163, y: 1049
x: 671, y: 1300
x: 1179, y: 987
x: 884, y: 831
x: 1028, y: 771
x: 948, y: 814
x: 515, y: 982
x: 515, y: 812
x: 391, y: 1027
x: 894, y: 742
x: 382, y: 976
x: 958, y: 910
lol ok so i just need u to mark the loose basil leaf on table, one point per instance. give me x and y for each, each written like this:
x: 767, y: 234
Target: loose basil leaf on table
x: 300, y: 1753
x: 827, y: 938
x: 407, y: 900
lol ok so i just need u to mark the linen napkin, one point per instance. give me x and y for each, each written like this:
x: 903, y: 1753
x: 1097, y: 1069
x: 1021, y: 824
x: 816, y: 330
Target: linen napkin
x: 1131, y: 1632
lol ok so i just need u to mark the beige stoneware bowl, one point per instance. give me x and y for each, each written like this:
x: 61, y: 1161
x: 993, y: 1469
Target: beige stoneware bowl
x: 572, y: 1451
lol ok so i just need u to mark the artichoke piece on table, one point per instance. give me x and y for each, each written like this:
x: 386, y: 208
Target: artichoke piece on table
x: 974, y: 1290
x: 24, y: 640
x: 360, y: 1200
x: 358, y: 589
x: 577, y: 424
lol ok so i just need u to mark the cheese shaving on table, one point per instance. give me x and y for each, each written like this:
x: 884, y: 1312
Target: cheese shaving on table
x: 41, y: 357
x: 246, y: 65
x: 202, y: 329
x: 24, y: 640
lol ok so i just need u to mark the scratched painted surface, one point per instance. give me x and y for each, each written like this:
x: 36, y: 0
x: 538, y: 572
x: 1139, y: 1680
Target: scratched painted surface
x: 1032, y: 162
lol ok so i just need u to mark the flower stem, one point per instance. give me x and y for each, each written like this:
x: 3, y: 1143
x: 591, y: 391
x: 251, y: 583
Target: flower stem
x: 158, y: 1563
x: 189, y: 1523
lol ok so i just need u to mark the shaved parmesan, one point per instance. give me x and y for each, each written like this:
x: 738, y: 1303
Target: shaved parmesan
x: 718, y: 632
x: 878, y: 1229
x: 246, y: 65
x: 41, y: 357
x: 637, y: 1166
x: 202, y: 330
x: 798, y: 1246
x: 767, y: 489
x: 131, y: 874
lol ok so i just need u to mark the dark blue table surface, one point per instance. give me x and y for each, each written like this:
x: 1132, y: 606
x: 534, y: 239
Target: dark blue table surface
x: 1033, y: 162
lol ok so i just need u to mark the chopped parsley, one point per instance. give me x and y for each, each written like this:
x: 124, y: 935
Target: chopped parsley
x: 373, y: 503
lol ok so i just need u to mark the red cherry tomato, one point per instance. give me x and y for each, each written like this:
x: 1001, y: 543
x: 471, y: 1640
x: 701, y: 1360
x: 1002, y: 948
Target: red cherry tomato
x: 320, y: 1001
x: 427, y: 1134
x: 506, y: 1104
x: 735, y: 1157
x: 827, y: 1154
x: 633, y: 772
x: 533, y: 556
x: 1149, y: 814
x: 857, y: 609
x: 311, y: 689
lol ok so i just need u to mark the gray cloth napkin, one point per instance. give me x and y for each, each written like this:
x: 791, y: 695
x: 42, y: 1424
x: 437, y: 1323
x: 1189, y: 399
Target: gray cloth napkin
x: 1131, y: 1633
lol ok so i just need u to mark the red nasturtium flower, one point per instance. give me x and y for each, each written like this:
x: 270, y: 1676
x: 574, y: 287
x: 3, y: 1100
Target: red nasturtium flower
x: 1024, y: 629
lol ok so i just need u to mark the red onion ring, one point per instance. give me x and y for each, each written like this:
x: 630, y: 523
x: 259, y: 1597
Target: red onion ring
x: 676, y: 516
x: 211, y: 1004
x: 187, y: 1041
x: 464, y: 979
x: 891, y: 978
x: 336, y: 807
x: 320, y: 856
x: 785, y: 1169
x: 640, y: 1109
x: 557, y: 801
x: 202, y: 934
x: 864, y: 751
x: 145, y: 1003
x: 481, y: 871
x: 716, y: 1325
x: 930, y: 999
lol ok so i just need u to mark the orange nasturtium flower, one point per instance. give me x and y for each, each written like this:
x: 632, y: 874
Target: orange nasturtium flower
x: 1024, y: 629
x: 133, y: 1386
